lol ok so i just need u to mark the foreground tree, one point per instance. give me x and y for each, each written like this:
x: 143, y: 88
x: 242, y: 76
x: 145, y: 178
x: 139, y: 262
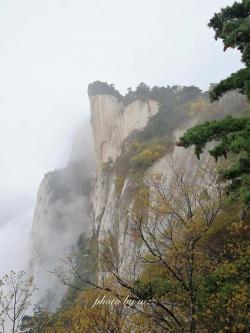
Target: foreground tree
x: 233, y: 137
x: 232, y: 25
x: 177, y: 219
x: 169, y: 222
x: 15, y: 298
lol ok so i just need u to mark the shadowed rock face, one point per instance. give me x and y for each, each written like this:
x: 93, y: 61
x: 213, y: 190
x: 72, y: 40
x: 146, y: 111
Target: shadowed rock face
x: 63, y: 212
x: 63, y: 206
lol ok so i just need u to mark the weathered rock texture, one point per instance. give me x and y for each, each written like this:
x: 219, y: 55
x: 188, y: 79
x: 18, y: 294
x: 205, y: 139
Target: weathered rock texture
x: 112, y: 123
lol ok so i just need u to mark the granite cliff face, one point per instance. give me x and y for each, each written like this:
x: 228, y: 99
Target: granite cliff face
x: 71, y: 203
x: 112, y: 125
x: 76, y: 201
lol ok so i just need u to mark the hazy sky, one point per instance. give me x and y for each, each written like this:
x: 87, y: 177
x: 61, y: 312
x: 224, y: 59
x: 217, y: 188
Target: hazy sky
x: 51, y: 49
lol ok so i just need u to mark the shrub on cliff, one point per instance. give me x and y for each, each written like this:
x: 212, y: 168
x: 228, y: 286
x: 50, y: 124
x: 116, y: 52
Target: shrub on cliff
x: 147, y: 156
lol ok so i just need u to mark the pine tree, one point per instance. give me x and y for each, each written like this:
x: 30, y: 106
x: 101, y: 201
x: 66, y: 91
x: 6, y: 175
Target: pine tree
x: 232, y: 25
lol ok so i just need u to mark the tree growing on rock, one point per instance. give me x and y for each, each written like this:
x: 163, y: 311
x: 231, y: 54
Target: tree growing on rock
x: 232, y: 26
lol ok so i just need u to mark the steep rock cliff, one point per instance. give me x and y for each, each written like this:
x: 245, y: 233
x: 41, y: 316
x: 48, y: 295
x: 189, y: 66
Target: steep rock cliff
x: 112, y: 125
x: 72, y: 202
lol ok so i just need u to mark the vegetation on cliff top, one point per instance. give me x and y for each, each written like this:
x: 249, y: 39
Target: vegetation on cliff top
x: 165, y: 96
x: 103, y: 88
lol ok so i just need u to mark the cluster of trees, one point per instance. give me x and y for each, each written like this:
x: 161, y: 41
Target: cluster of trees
x: 165, y: 96
x: 191, y: 272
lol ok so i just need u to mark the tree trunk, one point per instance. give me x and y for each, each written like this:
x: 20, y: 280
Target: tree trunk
x: 192, y: 319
